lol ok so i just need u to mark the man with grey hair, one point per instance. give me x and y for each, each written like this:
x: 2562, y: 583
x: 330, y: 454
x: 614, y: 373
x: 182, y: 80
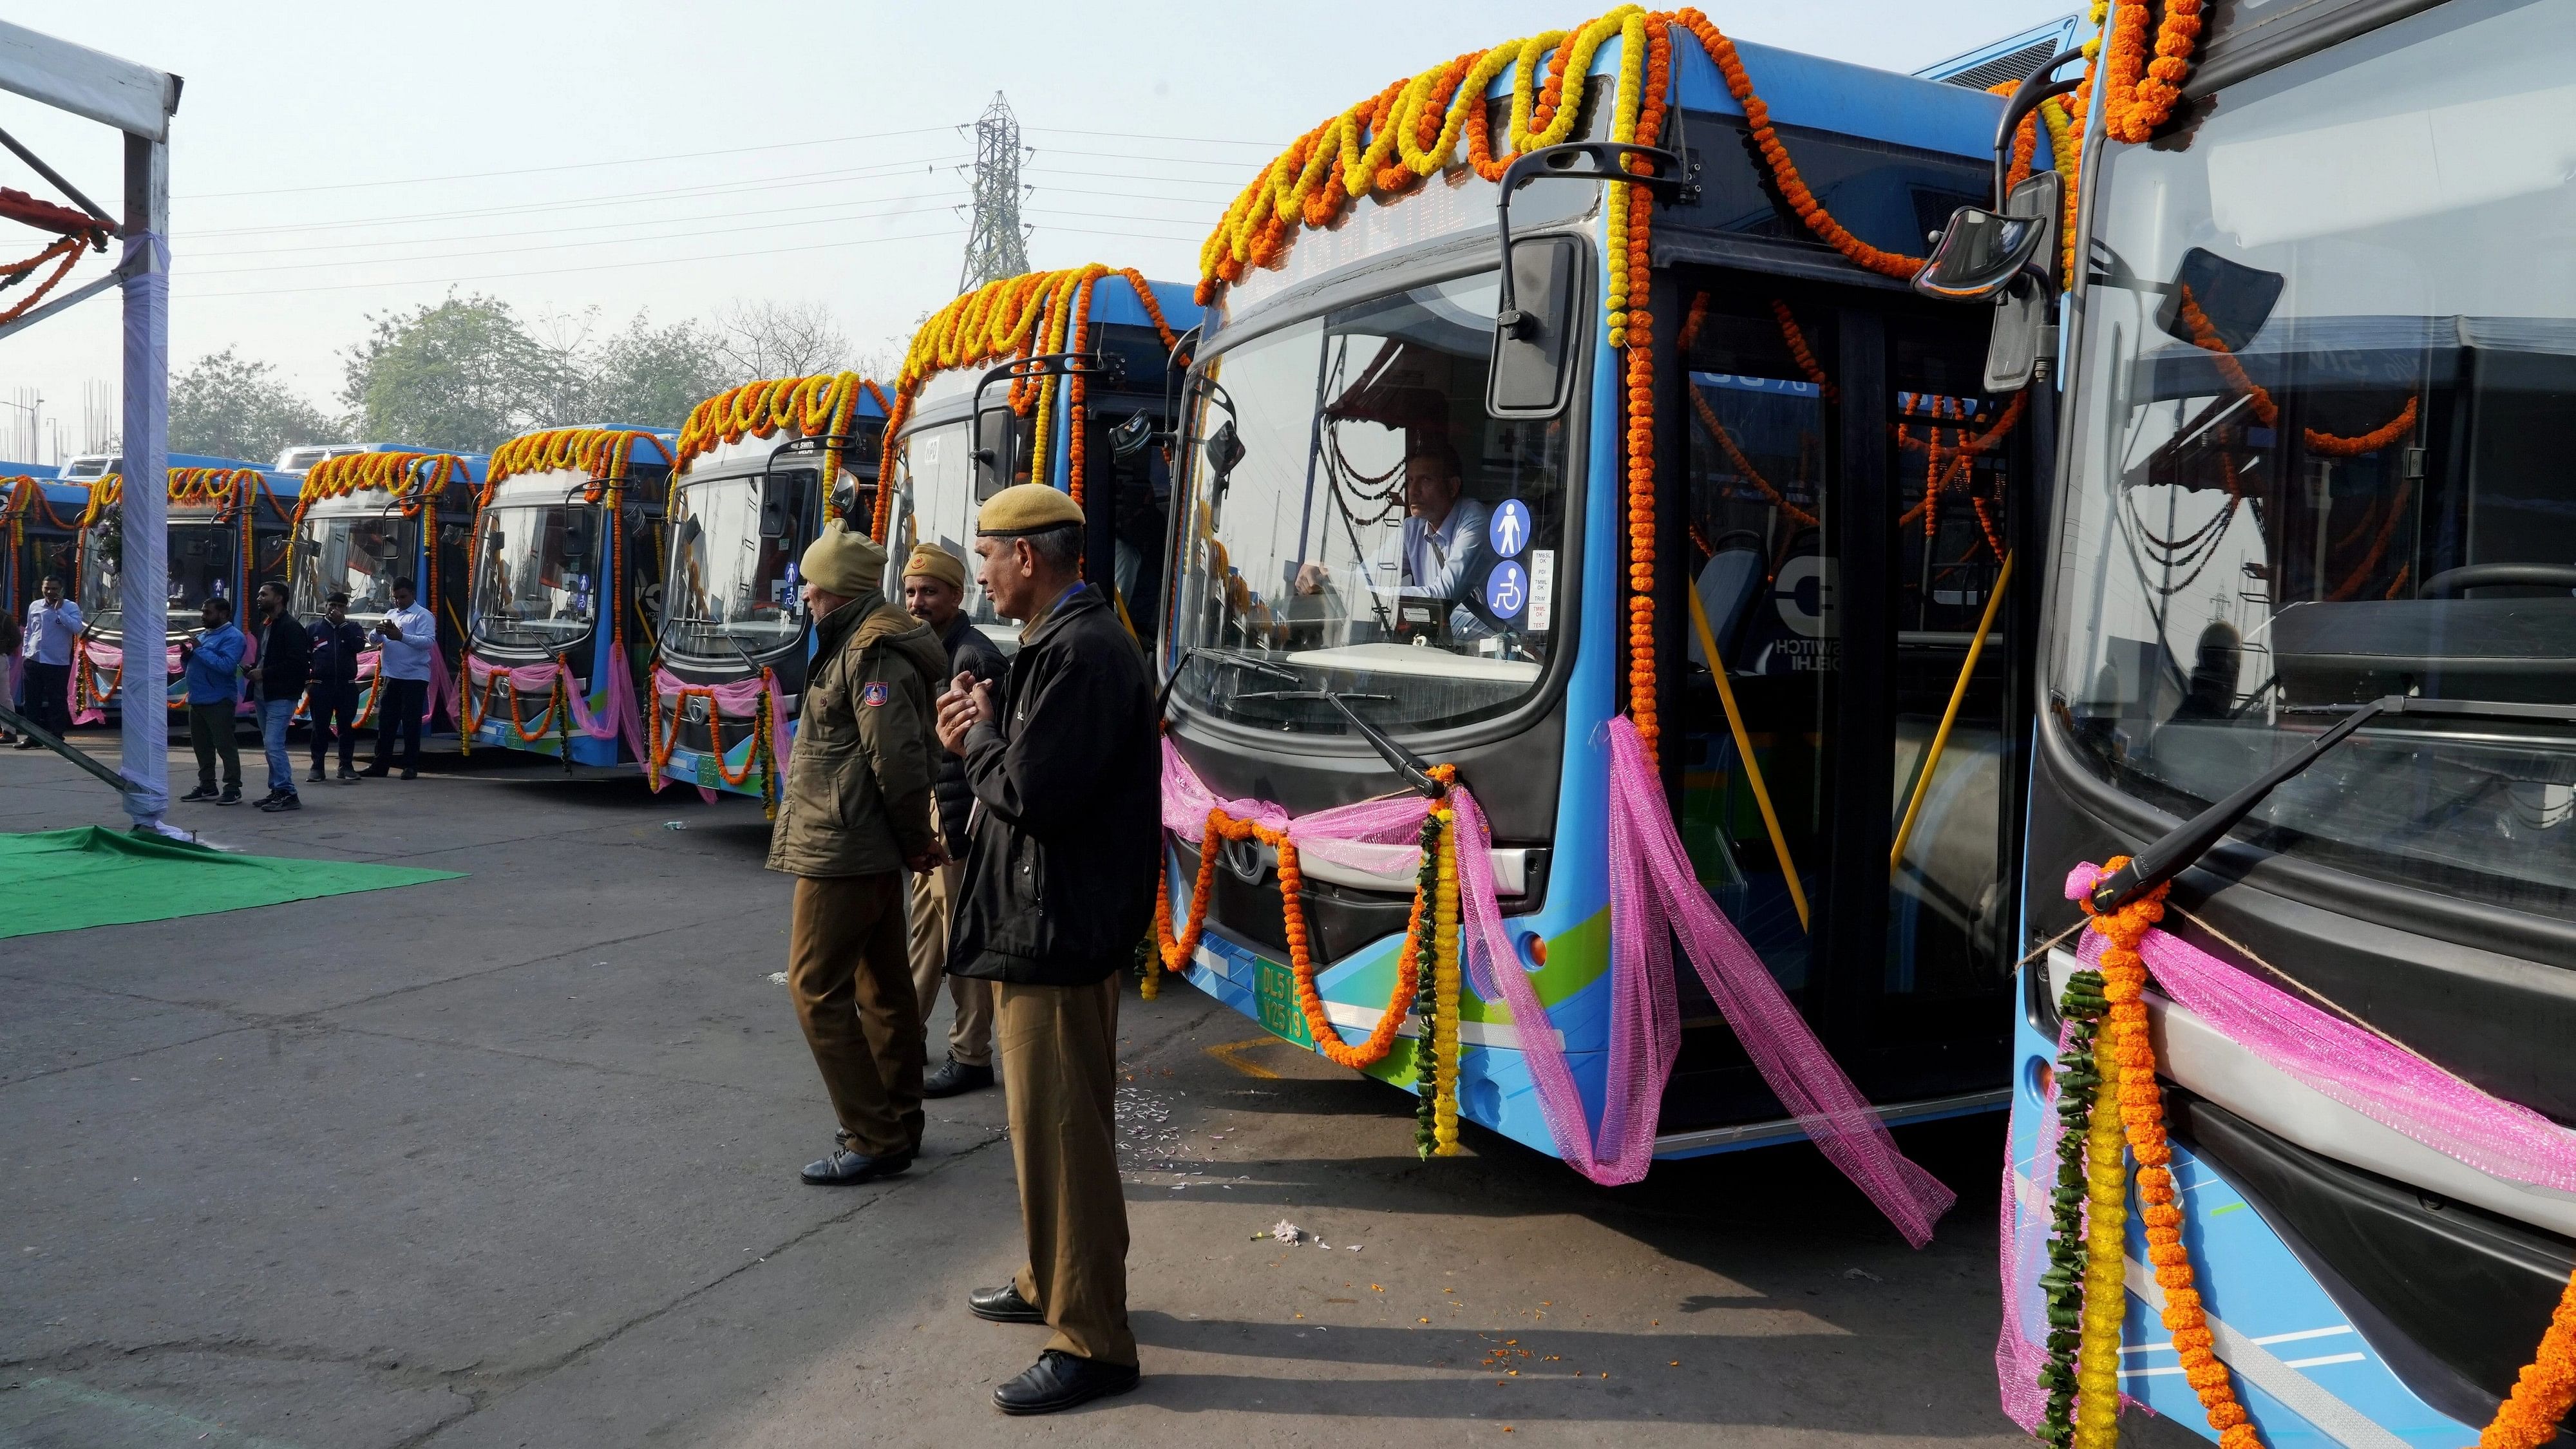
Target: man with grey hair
x: 1058, y: 886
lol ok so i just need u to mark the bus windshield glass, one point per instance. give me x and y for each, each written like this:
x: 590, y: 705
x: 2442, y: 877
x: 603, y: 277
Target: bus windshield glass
x: 937, y: 505
x: 359, y: 554
x: 1356, y: 523
x: 731, y: 582
x: 532, y: 574
x: 2329, y: 351
x: 201, y: 566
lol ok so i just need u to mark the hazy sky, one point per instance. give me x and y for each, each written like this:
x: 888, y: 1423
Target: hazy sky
x: 335, y: 160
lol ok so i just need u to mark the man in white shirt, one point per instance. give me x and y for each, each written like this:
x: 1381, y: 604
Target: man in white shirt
x: 53, y: 623
x: 404, y: 638
x: 1435, y: 555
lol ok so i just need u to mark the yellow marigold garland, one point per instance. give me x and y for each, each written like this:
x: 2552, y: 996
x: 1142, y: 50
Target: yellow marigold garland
x: 1444, y: 943
x: 2142, y: 1115
x: 999, y: 320
x: 415, y: 481
x: 2106, y: 1215
x: 823, y: 405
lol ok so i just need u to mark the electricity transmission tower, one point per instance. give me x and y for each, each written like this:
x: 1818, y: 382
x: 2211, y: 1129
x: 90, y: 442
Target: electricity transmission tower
x: 998, y: 246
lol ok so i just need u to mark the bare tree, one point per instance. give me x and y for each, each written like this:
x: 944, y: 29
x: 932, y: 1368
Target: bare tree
x: 778, y: 339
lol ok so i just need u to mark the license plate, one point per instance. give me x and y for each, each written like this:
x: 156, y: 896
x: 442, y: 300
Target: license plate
x: 1276, y: 986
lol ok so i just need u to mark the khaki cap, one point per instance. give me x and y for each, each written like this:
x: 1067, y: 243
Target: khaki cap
x: 930, y: 561
x: 1026, y: 508
x: 845, y: 563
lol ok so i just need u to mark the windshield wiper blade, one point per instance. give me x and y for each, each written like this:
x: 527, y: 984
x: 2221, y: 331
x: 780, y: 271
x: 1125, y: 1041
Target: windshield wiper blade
x: 1236, y: 657
x: 2174, y: 852
x: 1414, y: 770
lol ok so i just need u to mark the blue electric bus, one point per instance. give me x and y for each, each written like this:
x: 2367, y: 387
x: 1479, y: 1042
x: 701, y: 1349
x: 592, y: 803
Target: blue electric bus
x: 744, y: 502
x: 41, y: 515
x: 563, y: 601
x: 2311, y: 656
x: 967, y: 431
x: 228, y: 525
x: 366, y: 518
x: 1402, y: 534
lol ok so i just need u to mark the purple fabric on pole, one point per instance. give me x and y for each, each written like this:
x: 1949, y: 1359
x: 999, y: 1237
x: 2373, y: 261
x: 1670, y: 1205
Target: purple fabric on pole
x: 1797, y: 1068
x: 2363, y: 1071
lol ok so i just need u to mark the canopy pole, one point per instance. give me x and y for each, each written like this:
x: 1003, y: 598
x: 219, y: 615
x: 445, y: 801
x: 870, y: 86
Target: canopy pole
x: 144, y: 573
x: 1949, y: 717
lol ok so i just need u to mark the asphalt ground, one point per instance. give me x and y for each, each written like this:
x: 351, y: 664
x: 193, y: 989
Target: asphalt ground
x: 511, y: 1160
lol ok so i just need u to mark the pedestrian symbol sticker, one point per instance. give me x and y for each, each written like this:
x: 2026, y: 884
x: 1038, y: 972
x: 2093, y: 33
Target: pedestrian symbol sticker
x: 1509, y: 529
x: 1506, y: 590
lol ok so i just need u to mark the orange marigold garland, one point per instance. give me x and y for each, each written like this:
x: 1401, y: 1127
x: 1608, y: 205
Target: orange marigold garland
x: 2139, y: 94
x: 823, y: 405
x: 1178, y: 947
x: 1009, y: 318
x: 2204, y: 335
x: 2530, y: 1415
x: 2132, y: 1053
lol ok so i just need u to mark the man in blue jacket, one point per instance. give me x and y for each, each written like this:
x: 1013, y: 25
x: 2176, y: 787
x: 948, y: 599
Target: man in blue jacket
x: 214, y: 687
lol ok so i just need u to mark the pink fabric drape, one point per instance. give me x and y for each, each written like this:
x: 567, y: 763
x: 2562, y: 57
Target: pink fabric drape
x: 618, y: 717
x: 738, y: 699
x: 2363, y: 1071
x: 103, y: 660
x: 1654, y: 892
x: 442, y: 687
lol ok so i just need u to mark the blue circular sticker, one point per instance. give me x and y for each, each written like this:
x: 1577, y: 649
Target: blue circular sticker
x: 1507, y: 590
x: 1509, y: 528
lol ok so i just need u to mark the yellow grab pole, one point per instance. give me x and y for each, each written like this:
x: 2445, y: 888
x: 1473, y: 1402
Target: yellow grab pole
x: 1744, y: 752
x: 1949, y: 717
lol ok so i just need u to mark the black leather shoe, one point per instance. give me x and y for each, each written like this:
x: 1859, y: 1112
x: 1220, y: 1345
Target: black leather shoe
x: 375, y: 772
x: 844, y: 1168
x: 1059, y: 1380
x: 1002, y: 1305
x: 954, y: 1078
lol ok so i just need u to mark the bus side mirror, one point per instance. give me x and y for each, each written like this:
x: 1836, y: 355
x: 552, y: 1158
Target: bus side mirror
x: 773, y: 513
x: 576, y: 546
x: 1224, y: 451
x: 995, y: 431
x: 1532, y: 363
x: 1981, y: 253
x: 1132, y: 436
x: 2233, y: 299
x: 2009, y: 257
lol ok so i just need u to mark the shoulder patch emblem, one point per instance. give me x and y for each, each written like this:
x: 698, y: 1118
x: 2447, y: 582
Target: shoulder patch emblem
x: 875, y: 695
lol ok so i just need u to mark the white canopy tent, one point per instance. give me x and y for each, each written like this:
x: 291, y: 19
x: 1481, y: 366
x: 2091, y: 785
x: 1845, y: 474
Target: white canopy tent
x: 138, y: 101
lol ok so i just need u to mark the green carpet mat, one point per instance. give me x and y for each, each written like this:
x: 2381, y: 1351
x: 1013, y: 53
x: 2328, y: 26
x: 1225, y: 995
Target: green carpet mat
x: 64, y: 880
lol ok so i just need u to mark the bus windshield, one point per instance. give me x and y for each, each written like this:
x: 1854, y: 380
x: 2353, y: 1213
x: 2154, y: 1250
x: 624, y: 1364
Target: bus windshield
x: 359, y: 554
x: 532, y: 574
x: 732, y: 582
x: 2329, y: 348
x: 937, y: 505
x: 1357, y: 523
x: 202, y: 554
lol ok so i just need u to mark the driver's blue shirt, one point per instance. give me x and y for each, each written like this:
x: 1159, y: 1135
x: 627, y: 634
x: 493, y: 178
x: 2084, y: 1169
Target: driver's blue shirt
x: 1433, y: 561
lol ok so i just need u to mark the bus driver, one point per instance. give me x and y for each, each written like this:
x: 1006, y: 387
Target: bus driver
x: 1435, y: 555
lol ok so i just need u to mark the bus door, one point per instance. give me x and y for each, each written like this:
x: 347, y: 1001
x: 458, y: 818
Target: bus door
x: 1840, y: 603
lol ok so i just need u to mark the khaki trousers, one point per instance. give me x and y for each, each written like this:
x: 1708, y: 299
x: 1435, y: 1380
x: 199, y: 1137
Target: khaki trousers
x: 970, y: 1036
x: 1059, y: 1070
x: 846, y: 971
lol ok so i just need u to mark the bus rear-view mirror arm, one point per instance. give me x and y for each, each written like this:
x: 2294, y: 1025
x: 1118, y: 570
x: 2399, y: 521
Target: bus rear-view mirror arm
x: 1534, y: 304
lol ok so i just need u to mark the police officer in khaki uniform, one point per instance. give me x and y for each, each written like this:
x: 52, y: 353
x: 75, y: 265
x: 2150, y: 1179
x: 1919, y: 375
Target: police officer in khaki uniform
x: 1058, y: 886
x: 855, y: 816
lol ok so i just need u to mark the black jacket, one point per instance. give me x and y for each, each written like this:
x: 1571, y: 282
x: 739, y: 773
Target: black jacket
x: 285, y: 657
x: 1059, y: 877
x: 336, y: 648
x: 971, y: 652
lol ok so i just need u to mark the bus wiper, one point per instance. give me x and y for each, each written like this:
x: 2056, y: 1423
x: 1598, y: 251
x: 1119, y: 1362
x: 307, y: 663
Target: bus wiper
x: 2175, y: 851
x: 1414, y: 770
x: 1236, y: 657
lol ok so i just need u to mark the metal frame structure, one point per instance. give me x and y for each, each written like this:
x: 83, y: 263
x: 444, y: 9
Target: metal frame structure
x: 138, y: 101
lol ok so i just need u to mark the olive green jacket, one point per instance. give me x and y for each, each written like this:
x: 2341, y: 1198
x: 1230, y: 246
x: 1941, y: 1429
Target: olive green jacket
x: 858, y: 798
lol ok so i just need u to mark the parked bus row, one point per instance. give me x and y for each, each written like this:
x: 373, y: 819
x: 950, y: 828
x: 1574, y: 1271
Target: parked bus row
x: 1591, y: 474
